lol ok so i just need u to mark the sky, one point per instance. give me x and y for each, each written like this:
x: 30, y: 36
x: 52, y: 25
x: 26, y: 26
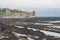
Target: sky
x: 33, y: 5
x: 30, y: 3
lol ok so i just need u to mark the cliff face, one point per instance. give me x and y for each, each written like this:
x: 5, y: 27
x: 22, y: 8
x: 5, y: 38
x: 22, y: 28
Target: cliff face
x: 18, y: 14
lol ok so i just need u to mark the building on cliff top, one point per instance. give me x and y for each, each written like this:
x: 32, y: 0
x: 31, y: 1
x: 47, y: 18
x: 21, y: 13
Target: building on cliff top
x: 18, y: 14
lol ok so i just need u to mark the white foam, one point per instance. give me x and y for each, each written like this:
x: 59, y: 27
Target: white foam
x: 19, y: 26
x: 51, y: 33
x: 17, y: 34
x: 56, y: 26
x: 29, y: 38
x: 42, y: 23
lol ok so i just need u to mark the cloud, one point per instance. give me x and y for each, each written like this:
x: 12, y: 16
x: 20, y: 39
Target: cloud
x: 30, y: 3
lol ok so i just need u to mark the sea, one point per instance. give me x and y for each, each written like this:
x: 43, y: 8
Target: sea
x: 33, y: 20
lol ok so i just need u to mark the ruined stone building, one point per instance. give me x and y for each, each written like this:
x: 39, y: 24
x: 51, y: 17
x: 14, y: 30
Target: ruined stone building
x: 18, y: 14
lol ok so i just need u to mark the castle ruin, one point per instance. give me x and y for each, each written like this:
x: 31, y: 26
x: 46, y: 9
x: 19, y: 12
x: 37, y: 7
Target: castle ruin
x: 18, y: 14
